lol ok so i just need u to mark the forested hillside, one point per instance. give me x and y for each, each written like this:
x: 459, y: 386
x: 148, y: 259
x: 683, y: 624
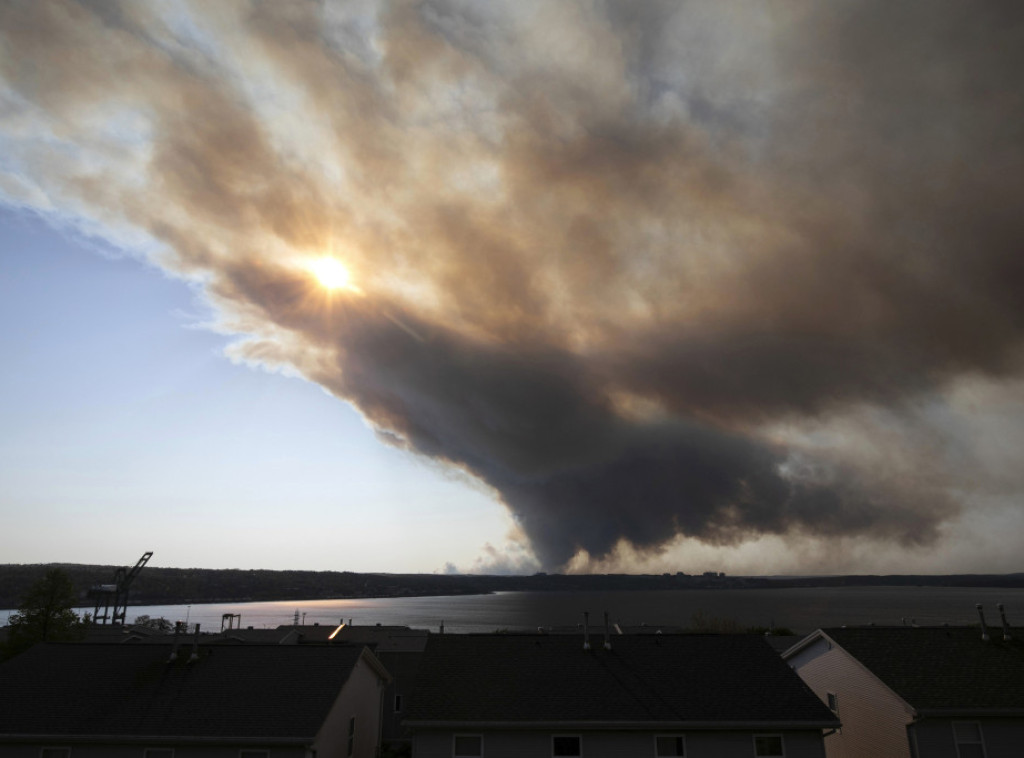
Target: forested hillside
x: 171, y: 586
x: 160, y: 586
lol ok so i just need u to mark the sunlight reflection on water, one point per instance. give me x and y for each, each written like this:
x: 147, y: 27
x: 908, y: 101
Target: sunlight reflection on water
x: 801, y: 609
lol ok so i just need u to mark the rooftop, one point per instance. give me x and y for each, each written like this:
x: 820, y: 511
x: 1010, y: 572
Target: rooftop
x: 942, y: 668
x: 244, y: 691
x: 696, y: 679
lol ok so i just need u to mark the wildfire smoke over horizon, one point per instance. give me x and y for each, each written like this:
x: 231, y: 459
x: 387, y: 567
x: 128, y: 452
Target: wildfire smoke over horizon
x: 658, y: 273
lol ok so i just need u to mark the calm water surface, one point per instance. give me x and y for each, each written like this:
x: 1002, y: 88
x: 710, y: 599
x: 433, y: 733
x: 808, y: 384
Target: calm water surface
x: 802, y: 610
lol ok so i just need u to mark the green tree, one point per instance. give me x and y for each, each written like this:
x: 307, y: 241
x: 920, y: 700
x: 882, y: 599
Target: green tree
x: 44, y: 614
x: 158, y: 623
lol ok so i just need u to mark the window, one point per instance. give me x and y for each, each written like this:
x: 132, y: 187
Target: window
x: 969, y: 743
x: 351, y: 735
x: 669, y: 746
x: 398, y: 703
x: 158, y: 752
x: 768, y: 745
x: 833, y: 702
x: 566, y: 746
x: 468, y: 746
x: 55, y: 752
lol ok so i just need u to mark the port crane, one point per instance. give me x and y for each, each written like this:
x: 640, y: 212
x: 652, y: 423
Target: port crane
x: 113, y: 598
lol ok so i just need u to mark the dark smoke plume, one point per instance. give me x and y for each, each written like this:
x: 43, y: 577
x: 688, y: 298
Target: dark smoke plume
x: 641, y: 268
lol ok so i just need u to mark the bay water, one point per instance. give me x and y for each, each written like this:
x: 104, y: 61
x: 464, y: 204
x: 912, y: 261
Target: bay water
x: 800, y: 609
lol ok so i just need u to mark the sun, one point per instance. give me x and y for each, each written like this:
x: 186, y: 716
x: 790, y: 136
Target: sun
x: 331, y: 273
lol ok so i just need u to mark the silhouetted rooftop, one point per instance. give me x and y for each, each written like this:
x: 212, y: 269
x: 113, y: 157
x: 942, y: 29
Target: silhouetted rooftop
x: 942, y: 668
x: 712, y: 679
x: 244, y: 691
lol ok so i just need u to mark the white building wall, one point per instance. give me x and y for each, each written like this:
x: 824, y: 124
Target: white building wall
x: 874, y: 719
x: 360, y: 698
x: 699, y: 744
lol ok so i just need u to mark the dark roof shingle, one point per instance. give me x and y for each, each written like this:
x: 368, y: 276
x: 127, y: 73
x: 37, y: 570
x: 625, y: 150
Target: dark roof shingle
x: 247, y: 691
x: 650, y: 678
x: 935, y: 668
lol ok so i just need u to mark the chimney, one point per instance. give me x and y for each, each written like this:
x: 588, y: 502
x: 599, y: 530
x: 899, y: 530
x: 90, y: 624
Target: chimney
x: 607, y: 635
x: 1006, y: 625
x: 195, y: 647
x: 174, y: 646
x: 586, y: 630
x: 984, y: 629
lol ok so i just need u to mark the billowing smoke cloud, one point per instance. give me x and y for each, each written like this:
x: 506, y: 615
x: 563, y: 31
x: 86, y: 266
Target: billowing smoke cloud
x: 648, y: 270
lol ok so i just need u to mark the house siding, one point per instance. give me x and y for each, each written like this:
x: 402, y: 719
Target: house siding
x: 874, y: 719
x: 360, y: 698
x: 605, y: 744
x: 1003, y: 738
x: 402, y: 667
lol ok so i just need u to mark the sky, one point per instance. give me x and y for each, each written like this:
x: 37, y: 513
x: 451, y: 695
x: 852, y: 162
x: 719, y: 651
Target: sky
x: 503, y: 287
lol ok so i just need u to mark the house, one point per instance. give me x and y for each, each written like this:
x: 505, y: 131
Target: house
x: 399, y: 648
x: 401, y: 652
x: 918, y: 692
x: 661, y: 696
x: 157, y: 701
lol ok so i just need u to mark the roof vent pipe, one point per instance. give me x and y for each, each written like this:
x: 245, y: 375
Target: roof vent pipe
x: 1006, y: 625
x: 607, y: 634
x: 174, y: 646
x: 984, y: 629
x: 586, y: 630
x: 195, y: 647
x: 442, y: 626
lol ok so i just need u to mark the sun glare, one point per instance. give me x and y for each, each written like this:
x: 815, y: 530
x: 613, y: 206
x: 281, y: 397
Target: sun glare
x: 331, y: 273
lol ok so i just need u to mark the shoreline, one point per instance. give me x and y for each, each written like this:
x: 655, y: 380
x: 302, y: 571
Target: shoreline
x: 172, y: 586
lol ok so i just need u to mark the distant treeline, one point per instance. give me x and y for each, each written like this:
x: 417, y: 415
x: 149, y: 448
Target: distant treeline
x: 174, y: 586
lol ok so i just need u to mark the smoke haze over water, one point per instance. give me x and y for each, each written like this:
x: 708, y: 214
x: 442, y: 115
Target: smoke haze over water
x: 653, y: 272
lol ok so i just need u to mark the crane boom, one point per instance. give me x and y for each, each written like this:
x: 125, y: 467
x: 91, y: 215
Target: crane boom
x: 116, y: 594
x: 124, y: 581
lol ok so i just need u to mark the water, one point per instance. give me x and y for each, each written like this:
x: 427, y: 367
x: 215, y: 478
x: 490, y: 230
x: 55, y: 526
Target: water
x: 800, y: 609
